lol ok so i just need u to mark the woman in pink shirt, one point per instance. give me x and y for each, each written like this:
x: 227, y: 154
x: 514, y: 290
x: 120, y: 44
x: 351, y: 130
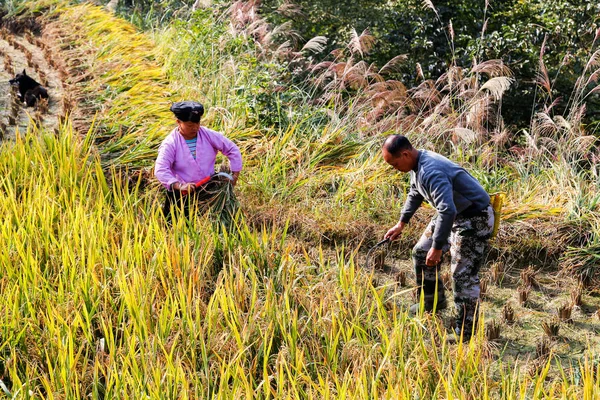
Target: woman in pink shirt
x: 187, y: 156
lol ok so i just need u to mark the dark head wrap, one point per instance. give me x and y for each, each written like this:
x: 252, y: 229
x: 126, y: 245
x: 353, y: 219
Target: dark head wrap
x: 188, y: 110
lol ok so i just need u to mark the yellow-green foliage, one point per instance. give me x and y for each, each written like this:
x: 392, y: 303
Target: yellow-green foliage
x: 99, y: 297
x: 122, y: 62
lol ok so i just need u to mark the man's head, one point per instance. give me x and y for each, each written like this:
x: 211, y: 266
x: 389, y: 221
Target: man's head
x: 399, y: 153
x: 188, y: 114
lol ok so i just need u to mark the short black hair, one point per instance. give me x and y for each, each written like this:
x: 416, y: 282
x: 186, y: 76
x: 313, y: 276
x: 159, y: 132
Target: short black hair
x: 394, y: 144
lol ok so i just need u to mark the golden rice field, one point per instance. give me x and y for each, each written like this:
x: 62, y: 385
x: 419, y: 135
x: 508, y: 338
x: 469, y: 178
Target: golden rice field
x: 100, y: 298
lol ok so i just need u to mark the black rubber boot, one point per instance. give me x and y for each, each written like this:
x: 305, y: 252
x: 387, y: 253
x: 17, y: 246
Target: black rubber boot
x: 465, y: 324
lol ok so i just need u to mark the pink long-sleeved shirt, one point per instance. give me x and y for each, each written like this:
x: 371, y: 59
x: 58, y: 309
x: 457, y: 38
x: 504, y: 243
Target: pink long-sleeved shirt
x: 175, y: 162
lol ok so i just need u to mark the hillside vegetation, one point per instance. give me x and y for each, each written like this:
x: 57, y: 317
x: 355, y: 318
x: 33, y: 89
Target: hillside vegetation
x: 100, y: 298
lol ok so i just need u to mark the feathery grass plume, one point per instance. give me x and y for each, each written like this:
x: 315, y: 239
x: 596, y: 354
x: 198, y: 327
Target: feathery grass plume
x: 429, y: 4
x: 496, y: 86
x: 465, y: 135
x: 393, y: 64
x: 596, y: 37
x: 362, y: 43
x: 243, y: 13
x: 290, y: 10
x: 316, y: 44
x: 542, y: 77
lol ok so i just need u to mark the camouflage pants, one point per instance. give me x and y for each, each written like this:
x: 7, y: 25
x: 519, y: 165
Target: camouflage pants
x: 468, y: 246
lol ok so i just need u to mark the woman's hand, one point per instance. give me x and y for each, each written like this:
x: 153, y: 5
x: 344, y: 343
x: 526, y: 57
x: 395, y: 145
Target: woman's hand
x: 184, y: 187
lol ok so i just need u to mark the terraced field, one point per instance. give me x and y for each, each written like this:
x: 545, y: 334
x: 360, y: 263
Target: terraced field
x: 33, y: 53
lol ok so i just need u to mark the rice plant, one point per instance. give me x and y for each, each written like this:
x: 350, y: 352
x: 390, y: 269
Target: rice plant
x: 100, y: 298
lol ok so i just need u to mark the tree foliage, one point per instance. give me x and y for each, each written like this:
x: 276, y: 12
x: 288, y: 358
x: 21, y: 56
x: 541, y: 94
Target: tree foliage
x: 437, y: 34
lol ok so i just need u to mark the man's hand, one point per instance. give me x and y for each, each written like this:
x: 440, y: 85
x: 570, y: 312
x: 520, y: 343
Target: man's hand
x: 434, y: 256
x: 395, y: 231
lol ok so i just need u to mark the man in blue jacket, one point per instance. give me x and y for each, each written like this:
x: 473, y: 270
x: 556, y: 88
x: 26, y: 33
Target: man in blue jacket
x: 463, y: 224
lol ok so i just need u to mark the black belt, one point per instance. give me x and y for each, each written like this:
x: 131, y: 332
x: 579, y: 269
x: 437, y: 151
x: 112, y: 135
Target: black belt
x: 473, y: 211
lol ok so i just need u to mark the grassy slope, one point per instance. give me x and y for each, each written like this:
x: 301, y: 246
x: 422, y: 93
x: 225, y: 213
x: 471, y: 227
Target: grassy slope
x: 103, y: 298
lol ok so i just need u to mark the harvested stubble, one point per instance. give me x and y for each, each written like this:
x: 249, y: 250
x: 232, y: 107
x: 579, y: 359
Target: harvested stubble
x: 8, y: 67
x: 483, y: 288
x: 577, y: 296
x: 551, y: 327
x: 17, y: 45
x: 29, y: 37
x: 543, y: 350
x: 15, y: 107
x: 508, y: 314
x: 523, y: 294
x: 492, y: 330
x: 528, y: 277
x: 29, y: 58
x: 497, y: 272
x: 564, y: 312
x: 38, y: 118
x: 401, y: 279
x: 42, y: 106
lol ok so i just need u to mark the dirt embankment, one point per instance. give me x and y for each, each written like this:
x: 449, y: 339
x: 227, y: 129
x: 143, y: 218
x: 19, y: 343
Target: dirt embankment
x: 27, y: 45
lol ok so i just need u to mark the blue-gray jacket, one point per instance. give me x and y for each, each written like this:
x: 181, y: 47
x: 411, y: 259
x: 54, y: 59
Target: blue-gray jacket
x: 446, y: 186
